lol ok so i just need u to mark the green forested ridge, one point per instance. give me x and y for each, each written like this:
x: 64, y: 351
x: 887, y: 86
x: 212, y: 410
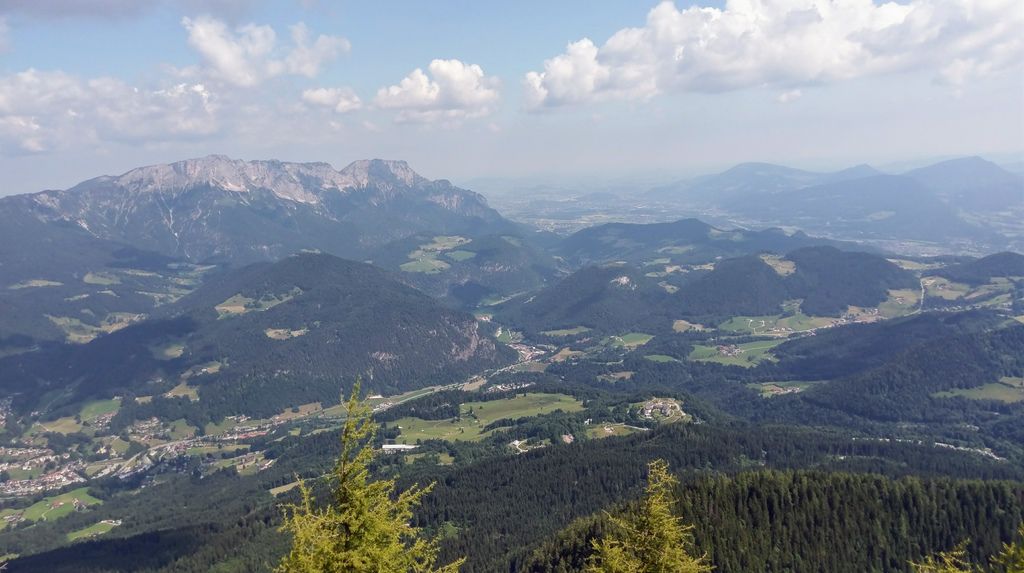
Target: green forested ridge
x: 980, y: 271
x: 498, y: 507
x: 651, y: 538
x: 614, y: 297
x: 810, y: 521
x: 350, y: 319
x: 610, y: 298
x: 686, y: 241
x: 481, y: 266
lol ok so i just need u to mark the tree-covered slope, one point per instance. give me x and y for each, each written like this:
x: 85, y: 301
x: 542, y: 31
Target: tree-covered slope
x: 805, y: 522
x: 981, y: 271
x: 686, y: 241
x: 272, y: 335
x: 607, y: 298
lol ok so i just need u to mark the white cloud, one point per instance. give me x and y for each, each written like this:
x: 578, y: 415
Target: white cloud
x: 451, y: 91
x: 783, y: 43
x: 342, y: 100
x: 306, y: 58
x: 40, y: 111
x: 249, y: 54
x: 791, y: 95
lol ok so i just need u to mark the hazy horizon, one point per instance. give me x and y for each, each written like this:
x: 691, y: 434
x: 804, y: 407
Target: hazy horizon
x: 566, y: 91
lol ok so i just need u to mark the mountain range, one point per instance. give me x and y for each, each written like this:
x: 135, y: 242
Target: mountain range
x: 111, y: 249
x: 942, y: 203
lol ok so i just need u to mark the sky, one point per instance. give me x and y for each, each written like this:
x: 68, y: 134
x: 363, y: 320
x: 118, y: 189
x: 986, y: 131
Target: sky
x: 532, y: 88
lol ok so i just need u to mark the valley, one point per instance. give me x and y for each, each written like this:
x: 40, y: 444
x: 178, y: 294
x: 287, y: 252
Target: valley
x: 136, y: 382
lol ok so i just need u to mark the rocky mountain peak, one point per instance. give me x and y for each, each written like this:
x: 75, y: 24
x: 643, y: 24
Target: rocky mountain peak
x: 365, y: 171
x: 300, y: 182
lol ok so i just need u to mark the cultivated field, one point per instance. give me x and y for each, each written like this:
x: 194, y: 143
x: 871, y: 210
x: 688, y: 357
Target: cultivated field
x: 476, y: 415
x: 55, y: 507
x: 93, y: 530
x: 566, y: 331
x: 1007, y: 390
x: 746, y: 355
x: 96, y: 408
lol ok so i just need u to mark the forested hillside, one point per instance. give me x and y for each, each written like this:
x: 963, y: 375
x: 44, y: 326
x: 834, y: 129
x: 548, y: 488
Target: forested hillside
x: 810, y: 521
x: 267, y: 337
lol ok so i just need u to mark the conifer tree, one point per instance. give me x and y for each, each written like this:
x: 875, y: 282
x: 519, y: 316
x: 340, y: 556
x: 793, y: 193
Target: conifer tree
x: 365, y: 527
x: 651, y: 539
x: 952, y: 561
x: 1011, y: 558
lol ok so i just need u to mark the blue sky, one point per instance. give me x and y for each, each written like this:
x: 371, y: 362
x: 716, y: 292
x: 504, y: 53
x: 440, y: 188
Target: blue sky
x: 518, y: 89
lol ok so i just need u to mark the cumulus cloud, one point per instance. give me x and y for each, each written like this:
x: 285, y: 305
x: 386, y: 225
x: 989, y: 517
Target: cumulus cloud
x: 342, y: 100
x: 249, y: 54
x: 449, y: 90
x: 784, y: 43
x: 40, y: 111
x: 791, y: 95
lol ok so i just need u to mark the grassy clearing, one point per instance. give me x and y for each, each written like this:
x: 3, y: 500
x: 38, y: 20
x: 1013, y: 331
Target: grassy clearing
x: 630, y: 340
x: 566, y: 354
x: 599, y: 431
x: 507, y: 336
x: 284, y: 333
x: 34, y: 283
x: 443, y: 458
x: 676, y: 249
x: 939, y: 287
x: 745, y: 355
x: 614, y: 377
x: 203, y: 369
x: 496, y: 299
x: 459, y: 256
x: 180, y: 430
x: 167, y: 350
x: 78, y: 332
x: 102, y: 279
x: 93, y: 530
x: 684, y: 326
x: 426, y: 265
x: 566, y: 331
x: 1008, y: 390
x: 233, y: 449
x: 425, y: 258
x: 65, y: 426
x: 660, y: 358
x: 276, y: 491
x: 444, y: 243
x: 239, y: 304
x: 780, y: 265
x: 773, y: 389
x: 669, y: 288
x: 775, y: 325
x: 909, y: 265
x: 301, y: 411
x: 183, y: 390
x: 58, y: 506
x: 900, y: 303
x: 245, y: 464
x: 96, y: 408
x: 476, y: 415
